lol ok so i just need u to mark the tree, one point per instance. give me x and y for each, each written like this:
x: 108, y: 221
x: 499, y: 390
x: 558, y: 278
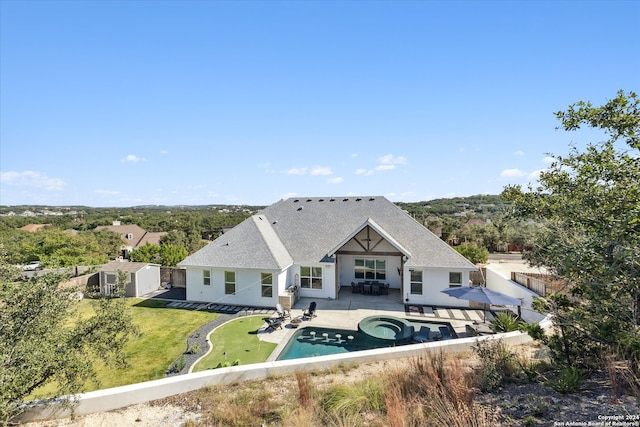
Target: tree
x: 588, y: 206
x: 146, y: 253
x: 171, y: 255
x: 44, y: 340
x: 473, y: 253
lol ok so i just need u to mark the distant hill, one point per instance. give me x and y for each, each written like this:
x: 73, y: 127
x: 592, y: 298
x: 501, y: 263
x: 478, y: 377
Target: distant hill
x: 479, y: 205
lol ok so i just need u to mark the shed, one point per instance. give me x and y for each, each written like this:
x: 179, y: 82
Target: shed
x: 142, y: 277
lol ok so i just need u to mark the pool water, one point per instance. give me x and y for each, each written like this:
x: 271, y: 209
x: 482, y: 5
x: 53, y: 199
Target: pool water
x: 311, y: 341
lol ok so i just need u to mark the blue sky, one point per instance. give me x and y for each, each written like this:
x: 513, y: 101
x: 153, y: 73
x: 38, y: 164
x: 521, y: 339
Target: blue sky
x: 123, y: 103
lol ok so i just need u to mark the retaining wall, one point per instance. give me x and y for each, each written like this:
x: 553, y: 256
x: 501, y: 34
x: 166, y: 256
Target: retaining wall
x: 120, y: 397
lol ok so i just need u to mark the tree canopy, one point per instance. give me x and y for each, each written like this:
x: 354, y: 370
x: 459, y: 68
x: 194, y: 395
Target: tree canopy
x: 588, y: 205
x: 43, y: 339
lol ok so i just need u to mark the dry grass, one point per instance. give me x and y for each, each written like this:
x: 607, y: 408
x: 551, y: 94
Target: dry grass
x: 431, y: 390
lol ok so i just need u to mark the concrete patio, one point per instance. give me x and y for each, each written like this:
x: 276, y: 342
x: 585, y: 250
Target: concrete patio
x: 347, y: 311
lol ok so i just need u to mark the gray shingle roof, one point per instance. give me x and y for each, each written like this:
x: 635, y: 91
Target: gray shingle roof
x: 306, y: 230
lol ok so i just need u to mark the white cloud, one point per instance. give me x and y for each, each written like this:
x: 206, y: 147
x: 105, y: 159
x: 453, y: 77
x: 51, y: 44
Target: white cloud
x: 390, y: 159
x: 107, y: 192
x: 364, y: 172
x: 32, y: 179
x: 385, y: 167
x: 289, y: 195
x: 519, y: 153
x: 164, y: 152
x: 512, y: 173
x: 321, y: 170
x: 548, y: 160
x: 354, y: 155
x: 297, y: 171
x: 132, y: 158
x: 336, y: 180
x: 535, y: 175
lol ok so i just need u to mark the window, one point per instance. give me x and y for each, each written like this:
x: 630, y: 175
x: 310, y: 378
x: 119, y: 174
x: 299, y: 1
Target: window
x: 267, y: 284
x: 230, y: 282
x: 416, y: 282
x: 311, y: 277
x: 110, y: 279
x: 455, y: 279
x: 371, y: 269
x: 130, y: 236
x: 206, y: 277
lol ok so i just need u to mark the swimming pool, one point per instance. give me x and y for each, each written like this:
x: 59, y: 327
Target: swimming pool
x: 311, y: 341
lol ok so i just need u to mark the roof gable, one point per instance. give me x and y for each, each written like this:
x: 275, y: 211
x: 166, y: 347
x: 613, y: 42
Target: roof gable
x: 311, y: 230
x: 371, y: 223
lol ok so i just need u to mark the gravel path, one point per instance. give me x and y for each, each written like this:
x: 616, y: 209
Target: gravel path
x: 198, y: 340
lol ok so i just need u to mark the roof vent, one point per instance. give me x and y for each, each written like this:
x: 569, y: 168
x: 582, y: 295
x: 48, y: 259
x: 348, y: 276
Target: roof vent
x: 300, y: 208
x: 321, y: 200
x: 296, y: 201
x: 345, y: 200
x: 308, y: 200
x: 371, y: 199
x: 358, y: 199
x: 274, y: 222
x: 332, y: 200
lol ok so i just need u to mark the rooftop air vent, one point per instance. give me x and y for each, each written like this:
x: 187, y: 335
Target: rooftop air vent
x: 296, y: 201
x: 371, y: 199
x: 308, y: 200
x: 345, y: 200
x: 358, y: 199
x: 332, y: 200
x: 300, y: 208
x: 321, y: 200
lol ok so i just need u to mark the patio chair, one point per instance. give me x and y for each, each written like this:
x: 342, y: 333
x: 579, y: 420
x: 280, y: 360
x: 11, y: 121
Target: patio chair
x: 274, y: 323
x: 422, y: 335
x: 445, y: 333
x: 310, y: 312
x: 356, y: 289
x: 282, y: 313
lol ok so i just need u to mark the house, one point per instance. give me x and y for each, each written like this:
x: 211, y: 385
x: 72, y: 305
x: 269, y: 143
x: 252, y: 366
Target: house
x: 316, y: 246
x: 142, y: 277
x: 133, y: 236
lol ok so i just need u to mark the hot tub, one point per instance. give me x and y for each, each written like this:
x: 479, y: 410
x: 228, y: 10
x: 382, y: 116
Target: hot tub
x: 387, y: 328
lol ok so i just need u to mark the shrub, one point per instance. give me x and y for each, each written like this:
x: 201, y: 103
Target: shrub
x: 497, y: 364
x: 194, y: 349
x: 505, y: 322
x: 569, y: 380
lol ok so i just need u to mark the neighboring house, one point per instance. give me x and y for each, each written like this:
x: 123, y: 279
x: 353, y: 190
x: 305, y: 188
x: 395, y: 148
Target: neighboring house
x: 320, y: 245
x: 133, y: 236
x: 476, y: 221
x: 142, y: 277
x: 32, y: 228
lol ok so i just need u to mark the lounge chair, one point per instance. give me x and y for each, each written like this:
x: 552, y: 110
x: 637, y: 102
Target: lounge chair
x: 274, y: 323
x: 445, y: 333
x: 422, y: 335
x: 310, y: 312
x: 282, y: 313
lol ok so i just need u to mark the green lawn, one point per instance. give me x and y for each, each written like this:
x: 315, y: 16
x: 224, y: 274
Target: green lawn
x: 163, y: 338
x: 239, y: 340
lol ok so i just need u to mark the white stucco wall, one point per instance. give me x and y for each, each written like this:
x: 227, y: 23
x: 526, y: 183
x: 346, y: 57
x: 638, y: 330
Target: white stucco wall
x: 497, y: 281
x: 433, y: 282
x: 120, y: 397
x: 248, y: 287
x: 328, y: 280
